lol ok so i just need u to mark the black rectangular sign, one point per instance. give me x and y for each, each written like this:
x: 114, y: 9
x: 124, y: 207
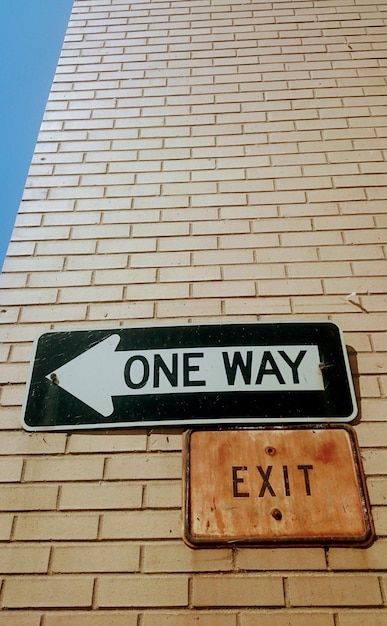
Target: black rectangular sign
x: 266, y: 373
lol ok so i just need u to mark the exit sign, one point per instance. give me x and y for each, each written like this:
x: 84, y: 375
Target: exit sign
x: 267, y: 373
x: 275, y: 486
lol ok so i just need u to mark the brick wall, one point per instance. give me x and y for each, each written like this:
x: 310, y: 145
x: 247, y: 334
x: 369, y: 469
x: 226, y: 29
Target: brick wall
x: 199, y: 161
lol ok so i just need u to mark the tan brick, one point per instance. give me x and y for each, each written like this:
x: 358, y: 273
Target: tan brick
x: 11, y: 297
x: 144, y: 466
x: 99, y: 495
x: 21, y: 353
x: 330, y: 253
x: 43, y: 233
x: 10, y: 469
x: 156, y: 291
x: 201, y: 307
x: 12, y: 395
x: 12, y: 280
x: 223, y: 289
x: 139, y: 591
x: 96, y: 262
x: 173, y: 557
x: 280, y: 559
x: 189, y: 274
x: 4, y: 352
x: 376, y: 490
x: 336, y: 195
x: 13, y: 373
x: 122, y: 310
x: 163, y: 495
x: 101, y: 442
x: 19, y: 618
x: 220, y: 257
x: 71, y: 193
x: 170, y: 189
x: 27, y: 497
x: 376, y: 618
x: 346, y: 286
x: 165, y: 441
x: 59, y: 526
x: 91, y: 294
x: 369, y: 387
x: 285, y: 255
x: 304, y: 183
x: 369, y: 268
x: 374, y: 558
x: 290, y: 287
x: 160, y: 229
x: 221, y: 227
x: 96, y: 557
x: 322, y: 304
x: 55, y: 313
x: 216, y: 200
x: 254, y: 240
x: 380, y: 519
x: 244, y: 186
x: 49, y: 591
x: 373, y: 410
x: 6, y: 522
x: 343, y: 222
x: 370, y: 434
x: 287, y: 619
x: 24, y: 559
x: 172, y: 244
x: 191, y: 618
x: 20, y: 248
x: 89, y: 618
x: 314, y: 238
x: 60, y: 279
x: 319, y: 269
x: 379, y: 341
x: 257, y: 306
x: 64, y: 468
x: 10, y: 315
x: 335, y: 590
x: 65, y: 247
x: 309, y: 210
x: 360, y: 180
x: 253, y: 271
x: 160, y: 259
x: 191, y: 215
x: 33, y: 264
x: 234, y: 590
x: 285, y: 224
x: 141, y: 525
x: 372, y: 363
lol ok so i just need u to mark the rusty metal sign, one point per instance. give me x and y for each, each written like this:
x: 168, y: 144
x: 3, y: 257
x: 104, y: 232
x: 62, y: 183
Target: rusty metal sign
x: 278, y: 486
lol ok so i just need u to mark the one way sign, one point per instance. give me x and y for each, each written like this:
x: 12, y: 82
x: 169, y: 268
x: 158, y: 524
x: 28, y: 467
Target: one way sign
x: 273, y: 373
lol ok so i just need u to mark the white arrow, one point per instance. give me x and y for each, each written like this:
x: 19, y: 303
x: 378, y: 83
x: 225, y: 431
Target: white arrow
x: 94, y: 377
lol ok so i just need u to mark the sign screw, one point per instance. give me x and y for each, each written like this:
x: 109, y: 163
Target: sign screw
x: 270, y: 450
x: 276, y: 513
x: 54, y: 379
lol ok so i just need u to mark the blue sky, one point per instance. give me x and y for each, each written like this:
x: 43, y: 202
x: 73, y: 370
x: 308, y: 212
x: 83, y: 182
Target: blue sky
x: 31, y: 36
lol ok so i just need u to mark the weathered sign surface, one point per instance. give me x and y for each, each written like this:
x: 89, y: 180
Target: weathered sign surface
x: 204, y: 374
x: 275, y: 486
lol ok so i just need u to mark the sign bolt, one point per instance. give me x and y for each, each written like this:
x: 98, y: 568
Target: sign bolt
x: 276, y: 513
x: 54, y: 379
